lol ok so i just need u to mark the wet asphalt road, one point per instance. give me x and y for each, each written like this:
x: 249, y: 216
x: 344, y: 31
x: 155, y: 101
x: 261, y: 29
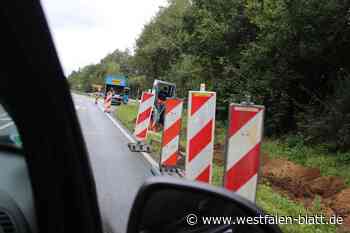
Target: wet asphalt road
x: 118, y: 172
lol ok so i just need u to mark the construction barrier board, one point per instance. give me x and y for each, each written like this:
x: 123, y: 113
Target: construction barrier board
x: 144, y: 116
x: 200, y: 135
x: 243, y: 142
x: 171, y: 132
x: 108, y: 103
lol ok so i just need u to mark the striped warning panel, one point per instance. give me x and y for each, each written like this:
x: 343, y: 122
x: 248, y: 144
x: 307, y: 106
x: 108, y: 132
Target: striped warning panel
x: 144, y: 116
x: 171, y: 132
x: 244, y: 138
x: 200, y: 135
x: 108, y: 103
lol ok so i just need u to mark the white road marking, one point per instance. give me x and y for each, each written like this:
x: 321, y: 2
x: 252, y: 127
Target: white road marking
x: 6, y: 125
x: 131, y: 139
x: 5, y: 119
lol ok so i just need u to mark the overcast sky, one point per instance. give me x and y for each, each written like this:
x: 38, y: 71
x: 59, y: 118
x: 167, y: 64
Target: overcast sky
x: 87, y: 30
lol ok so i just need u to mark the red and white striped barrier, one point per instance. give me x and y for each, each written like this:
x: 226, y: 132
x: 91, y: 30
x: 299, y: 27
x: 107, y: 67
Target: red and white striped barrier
x: 244, y: 138
x: 144, y: 116
x: 200, y: 135
x: 171, y: 132
x: 108, y: 103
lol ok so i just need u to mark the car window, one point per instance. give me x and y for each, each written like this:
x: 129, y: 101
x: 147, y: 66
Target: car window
x: 8, y: 131
x: 251, y: 96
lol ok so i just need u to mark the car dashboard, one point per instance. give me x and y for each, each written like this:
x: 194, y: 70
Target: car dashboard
x: 17, y: 214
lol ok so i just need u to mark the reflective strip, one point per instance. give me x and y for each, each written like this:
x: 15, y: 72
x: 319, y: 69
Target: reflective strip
x: 108, y: 104
x: 142, y: 135
x: 171, y: 132
x: 142, y: 126
x: 171, y: 148
x: 200, y: 141
x: 171, y: 160
x: 173, y: 116
x: 249, y: 189
x: 200, y: 162
x: 108, y: 98
x: 149, y: 102
x: 201, y: 117
x: 144, y: 115
x: 243, y: 170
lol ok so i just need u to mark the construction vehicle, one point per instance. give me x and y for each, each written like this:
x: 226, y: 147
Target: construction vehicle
x: 118, y: 84
x: 162, y: 91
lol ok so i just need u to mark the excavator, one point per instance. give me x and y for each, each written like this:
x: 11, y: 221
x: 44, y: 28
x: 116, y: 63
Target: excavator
x: 162, y: 91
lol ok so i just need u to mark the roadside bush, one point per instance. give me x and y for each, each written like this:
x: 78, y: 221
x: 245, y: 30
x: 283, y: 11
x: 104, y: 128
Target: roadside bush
x: 295, y: 140
x: 332, y: 124
x: 344, y: 157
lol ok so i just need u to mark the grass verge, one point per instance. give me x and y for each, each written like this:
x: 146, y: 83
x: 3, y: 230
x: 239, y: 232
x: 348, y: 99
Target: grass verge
x: 276, y: 204
x: 127, y: 115
x: 336, y: 164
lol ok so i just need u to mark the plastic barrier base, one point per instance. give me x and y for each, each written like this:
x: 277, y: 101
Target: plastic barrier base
x: 139, y: 147
x: 172, y: 171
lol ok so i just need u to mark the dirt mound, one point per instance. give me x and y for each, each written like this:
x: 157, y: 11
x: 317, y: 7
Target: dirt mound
x: 304, y: 184
x: 345, y: 227
x: 290, y: 176
x: 326, y: 186
x: 340, y: 203
x: 328, y: 212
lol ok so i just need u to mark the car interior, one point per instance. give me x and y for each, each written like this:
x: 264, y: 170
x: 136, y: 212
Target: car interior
x: 17, y: 211
x: 48, y: 179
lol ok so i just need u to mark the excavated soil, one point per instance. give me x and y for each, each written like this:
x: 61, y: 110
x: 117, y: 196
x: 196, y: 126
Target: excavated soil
x: 291, y: 177
x: 340, y: 202
x: 345, y: 227
x: 326, y: 186
x: 304, y: 184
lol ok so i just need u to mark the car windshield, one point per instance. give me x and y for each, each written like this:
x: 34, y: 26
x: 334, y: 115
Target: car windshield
x: 8, y: 131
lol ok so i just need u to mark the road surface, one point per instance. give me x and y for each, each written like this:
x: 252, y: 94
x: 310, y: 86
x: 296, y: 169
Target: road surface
x: 118, y: 172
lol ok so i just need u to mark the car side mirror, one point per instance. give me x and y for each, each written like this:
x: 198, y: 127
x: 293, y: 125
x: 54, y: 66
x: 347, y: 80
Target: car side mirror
x: 166, y: 204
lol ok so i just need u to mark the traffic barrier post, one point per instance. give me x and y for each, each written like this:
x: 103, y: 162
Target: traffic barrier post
x: 108, y: 103
x: 142, y: 123
x: 144, y: 116
x: 243, y: 142
x: 171, y: 133
x: 200, y: 135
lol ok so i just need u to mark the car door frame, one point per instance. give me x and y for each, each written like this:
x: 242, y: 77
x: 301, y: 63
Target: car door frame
x: 36, y: 94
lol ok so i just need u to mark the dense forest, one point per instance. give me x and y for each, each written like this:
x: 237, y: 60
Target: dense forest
x: 293, y: 56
